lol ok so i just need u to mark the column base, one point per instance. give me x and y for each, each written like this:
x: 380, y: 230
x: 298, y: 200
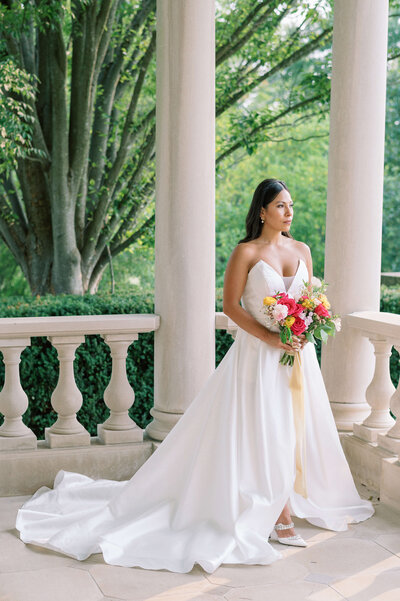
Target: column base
x: 80, y: 439
x: 367, y: 433
x: 346, y: 414
x: 162, y: 424
x: 119, y: 436
x: 11, y: 443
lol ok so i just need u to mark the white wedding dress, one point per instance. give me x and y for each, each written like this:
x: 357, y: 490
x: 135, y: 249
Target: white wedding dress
x: 213, y: 490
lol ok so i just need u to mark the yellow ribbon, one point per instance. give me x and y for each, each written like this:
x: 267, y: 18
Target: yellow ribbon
x: 297, y: 388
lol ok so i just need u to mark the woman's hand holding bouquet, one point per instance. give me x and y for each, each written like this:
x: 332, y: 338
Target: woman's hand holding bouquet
x: 306, y: 316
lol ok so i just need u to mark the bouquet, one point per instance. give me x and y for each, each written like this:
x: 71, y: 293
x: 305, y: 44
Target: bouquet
x: 306, y: 314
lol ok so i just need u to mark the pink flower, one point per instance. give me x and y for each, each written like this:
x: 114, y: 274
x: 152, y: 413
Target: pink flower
x: 290, y: 304
x: 321, y: 311
x: 337, y: 323
x: 307, y: 319
x: 298, y: 309
x: 279, y: 312
x: 298, y: 327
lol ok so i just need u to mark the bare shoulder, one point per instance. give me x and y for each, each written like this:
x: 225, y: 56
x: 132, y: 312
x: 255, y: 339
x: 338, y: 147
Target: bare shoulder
x: 244, y: 254
x: 302, y: 249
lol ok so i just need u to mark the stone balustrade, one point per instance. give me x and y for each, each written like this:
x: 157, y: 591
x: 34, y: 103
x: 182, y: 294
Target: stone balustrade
x: 373, y: 448
x: 383, y: 332
x: 120, y: 446
x: 66, y: 334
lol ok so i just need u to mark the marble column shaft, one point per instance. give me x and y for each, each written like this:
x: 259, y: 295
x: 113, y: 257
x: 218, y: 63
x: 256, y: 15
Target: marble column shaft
x: 355, y: 191
x: 185, y: 221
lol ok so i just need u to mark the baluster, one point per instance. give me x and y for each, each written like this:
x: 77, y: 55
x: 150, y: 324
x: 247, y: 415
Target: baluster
x: 391, y: 440
x: 119, y: 395
x: 66, y: 399
x: 14, y: 434
x: 378, y: 394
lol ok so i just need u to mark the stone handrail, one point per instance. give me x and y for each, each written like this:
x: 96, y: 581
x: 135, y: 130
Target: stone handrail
x: 66, y: 334
x: 21, y: 327
x: 383, y: 331
x: 223, y: 322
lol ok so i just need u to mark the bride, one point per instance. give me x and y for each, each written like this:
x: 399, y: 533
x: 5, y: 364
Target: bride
x: 225, y: 478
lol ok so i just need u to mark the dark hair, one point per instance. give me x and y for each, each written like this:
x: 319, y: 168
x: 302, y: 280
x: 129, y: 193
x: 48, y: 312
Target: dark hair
x: 265, y: 193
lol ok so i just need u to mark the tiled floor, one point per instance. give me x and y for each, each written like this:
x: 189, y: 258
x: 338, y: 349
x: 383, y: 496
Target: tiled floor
x: 361, y: 564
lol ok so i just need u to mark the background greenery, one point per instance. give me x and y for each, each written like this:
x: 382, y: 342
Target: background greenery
x: 267, y: 125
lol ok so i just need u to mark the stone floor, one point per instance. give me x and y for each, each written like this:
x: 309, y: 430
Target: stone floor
x: 361, y: 564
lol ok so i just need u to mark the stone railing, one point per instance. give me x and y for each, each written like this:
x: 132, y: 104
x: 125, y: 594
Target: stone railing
x: 66, y: 334
x: 119, y: 448
x: 223, y: 322
x: 373, y: 449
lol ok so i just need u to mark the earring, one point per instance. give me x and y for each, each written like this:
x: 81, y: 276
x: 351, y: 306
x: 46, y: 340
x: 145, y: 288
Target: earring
x: 262, y: 220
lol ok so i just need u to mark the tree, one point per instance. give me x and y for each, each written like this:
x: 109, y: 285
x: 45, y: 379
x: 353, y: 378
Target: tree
x: 80, y: 190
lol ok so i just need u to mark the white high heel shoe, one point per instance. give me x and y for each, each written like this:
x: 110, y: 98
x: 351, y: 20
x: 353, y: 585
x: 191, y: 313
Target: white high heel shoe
x: 295, y: 541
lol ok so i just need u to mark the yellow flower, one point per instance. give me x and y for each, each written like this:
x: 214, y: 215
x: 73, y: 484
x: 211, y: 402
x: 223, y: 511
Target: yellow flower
x: 324, y: 301
x: 289, y: 321
x: 269, y: 300
x: 308, y: 304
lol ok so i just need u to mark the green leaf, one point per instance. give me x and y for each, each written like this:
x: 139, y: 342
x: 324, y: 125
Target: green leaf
x: 317, y: 333
x: 310, y: 337
x: 324, y: 335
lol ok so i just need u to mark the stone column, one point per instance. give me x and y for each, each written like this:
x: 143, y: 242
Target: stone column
x: 185, y: 222
x: 355, y: 188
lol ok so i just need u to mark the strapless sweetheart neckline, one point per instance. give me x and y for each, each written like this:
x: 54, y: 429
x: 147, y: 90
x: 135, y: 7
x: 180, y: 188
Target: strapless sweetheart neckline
x: 273, y: 269
x: 262, y: 261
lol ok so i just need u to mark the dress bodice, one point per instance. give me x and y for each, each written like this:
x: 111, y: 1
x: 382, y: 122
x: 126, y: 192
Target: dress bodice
x: 263, y: 280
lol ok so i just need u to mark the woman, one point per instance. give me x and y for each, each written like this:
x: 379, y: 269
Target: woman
x: 225, y: 475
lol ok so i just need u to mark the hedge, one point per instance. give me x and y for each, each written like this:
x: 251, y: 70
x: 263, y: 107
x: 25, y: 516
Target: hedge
x: 39, y: 364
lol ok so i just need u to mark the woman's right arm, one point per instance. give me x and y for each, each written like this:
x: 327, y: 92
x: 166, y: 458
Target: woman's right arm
x: 234, y: 282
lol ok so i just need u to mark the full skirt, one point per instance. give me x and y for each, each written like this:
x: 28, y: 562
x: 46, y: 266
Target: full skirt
x: 213, y: 490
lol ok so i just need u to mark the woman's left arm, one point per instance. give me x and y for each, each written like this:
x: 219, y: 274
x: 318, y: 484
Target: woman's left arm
x: 308, y: 261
